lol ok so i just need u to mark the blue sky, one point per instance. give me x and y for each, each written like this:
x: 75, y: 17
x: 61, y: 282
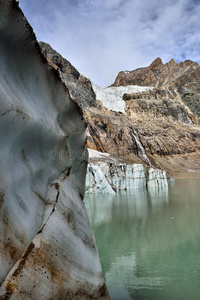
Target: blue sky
x: 102, y: 37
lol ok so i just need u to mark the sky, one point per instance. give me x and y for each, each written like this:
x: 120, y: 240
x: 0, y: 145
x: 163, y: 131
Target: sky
x: 102, y: 37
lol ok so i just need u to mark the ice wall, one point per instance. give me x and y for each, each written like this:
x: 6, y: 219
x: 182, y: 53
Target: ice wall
x: 110, y: 178
x: 47, y: 249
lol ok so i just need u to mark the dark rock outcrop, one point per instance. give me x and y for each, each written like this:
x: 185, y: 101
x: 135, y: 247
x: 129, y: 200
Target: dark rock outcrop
x: 80, y: 87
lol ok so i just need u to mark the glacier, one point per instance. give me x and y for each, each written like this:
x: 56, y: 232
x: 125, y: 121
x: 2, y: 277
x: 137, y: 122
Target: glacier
x: 105, y: 174
x: 47, y: 248
x: 112, y: 97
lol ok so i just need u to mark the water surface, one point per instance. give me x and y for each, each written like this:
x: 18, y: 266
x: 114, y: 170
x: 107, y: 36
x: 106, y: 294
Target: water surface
x: 149, y: 242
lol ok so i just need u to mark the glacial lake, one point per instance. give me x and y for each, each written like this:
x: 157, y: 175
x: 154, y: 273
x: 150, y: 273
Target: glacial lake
x: 149, y: 243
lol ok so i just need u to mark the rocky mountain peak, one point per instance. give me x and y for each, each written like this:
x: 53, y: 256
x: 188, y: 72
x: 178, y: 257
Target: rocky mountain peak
x: 157, y: 62
x: 172, y: 61
x: 157, y: 74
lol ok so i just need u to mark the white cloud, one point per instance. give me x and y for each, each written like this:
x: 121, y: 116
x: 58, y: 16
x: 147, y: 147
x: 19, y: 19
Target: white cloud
x: 102, y: 37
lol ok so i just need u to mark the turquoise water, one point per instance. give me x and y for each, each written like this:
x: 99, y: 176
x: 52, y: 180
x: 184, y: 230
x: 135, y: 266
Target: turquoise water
x: 149, y: 243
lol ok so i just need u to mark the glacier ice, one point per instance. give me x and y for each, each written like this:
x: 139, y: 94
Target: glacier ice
x: 112, y: 97
x: 47, y: 248
x: 111, y: 177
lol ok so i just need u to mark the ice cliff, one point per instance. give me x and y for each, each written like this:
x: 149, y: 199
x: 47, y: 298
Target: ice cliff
x: 47, y: 249
x: 107, y: 175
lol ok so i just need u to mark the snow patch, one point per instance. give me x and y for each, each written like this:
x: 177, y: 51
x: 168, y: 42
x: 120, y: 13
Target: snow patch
x: 83, y: 75
x: 97, y: 154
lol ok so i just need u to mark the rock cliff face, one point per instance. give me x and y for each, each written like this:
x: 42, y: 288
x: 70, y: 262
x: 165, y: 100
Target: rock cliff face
x: 80, y: 87
x: 157, y: 74
x: 47, y: 249
x: 181, y: 80
x: 162, y: 121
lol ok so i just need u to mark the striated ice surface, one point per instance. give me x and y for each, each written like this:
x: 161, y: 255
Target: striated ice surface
x: 157, y: 178
x: 107, y: 177
x: 47, y: 248
x: 96, y: 181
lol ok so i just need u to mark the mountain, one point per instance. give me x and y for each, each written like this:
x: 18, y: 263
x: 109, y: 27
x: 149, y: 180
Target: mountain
x: 47, y: 248
x: 162, y: 120
x: 158, y: 75
x: 182, y: 79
